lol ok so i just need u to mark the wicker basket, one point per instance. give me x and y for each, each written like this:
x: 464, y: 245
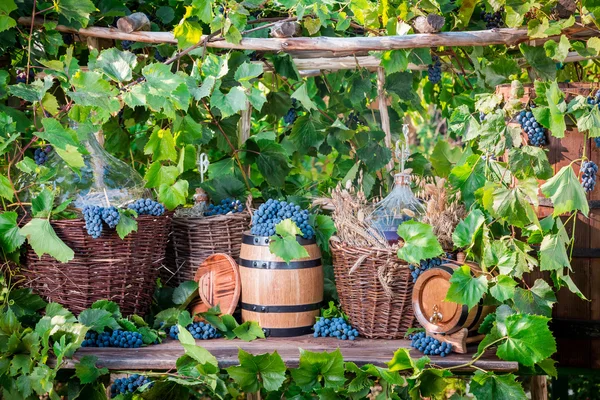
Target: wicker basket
x: 195, y: 239
x: 123, y: 271
x: 375, y: 310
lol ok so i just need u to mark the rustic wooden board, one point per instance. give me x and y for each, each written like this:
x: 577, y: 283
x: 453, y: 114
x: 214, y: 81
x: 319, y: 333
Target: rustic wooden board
x: 360, y: 351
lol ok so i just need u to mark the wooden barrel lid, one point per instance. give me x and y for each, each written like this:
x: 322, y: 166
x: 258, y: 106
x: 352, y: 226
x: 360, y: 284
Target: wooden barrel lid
x: 432, y: 310
x: 218, y: 280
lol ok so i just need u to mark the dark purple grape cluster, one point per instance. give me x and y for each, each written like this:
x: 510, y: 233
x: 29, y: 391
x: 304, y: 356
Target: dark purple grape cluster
x: 493, y: 20
x: 147, y: 207
x: 118, y: 338
x: 594, y: 100
x: 159, y: 57
x: 597, y: 141
x: 129, y: 384
x: 93, y: 220
x: 482, y: 116
x: 353, y: 120
x: 291, y: 116
x: 226, y: 206
x: 68, y: 38
x: 535, y: 132
x: 424, y: 265
x: 334, y: 327
x: 272, y: 212
x: 22, y: 76
x: 589, y: 169
x: 434, y: 70
x: 111, y: 216
x: 41, y: 155
x: 199, y: 331
x: 126, y: 44
x: 429, y: 346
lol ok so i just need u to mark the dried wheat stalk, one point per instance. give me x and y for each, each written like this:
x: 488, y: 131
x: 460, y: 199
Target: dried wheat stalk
x: 442, y: 213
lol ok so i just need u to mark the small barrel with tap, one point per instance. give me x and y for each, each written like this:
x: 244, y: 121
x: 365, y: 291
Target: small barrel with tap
x: 435, y: 313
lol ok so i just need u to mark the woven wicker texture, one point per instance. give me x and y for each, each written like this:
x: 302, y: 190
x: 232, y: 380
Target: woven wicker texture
x: 377, y: 310
x: 195, y: 239
x: 123, y: 271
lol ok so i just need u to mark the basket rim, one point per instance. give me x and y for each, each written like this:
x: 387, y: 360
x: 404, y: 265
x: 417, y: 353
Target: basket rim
x: 241, y: 215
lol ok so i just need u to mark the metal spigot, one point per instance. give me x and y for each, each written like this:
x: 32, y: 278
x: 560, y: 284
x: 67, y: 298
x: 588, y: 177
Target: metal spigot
x: 436, y: 317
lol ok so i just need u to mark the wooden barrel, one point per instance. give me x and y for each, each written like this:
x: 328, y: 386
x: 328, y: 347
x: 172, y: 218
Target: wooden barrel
x: 575, y: 322
x: 284, y: 298
x: 437, y: 315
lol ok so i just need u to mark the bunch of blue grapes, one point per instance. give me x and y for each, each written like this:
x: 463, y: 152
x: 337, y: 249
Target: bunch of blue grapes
x: 353, y: 120
x: 159, y: 57
x: 334, y: 327
x: 226, y: 206
x: 22, y: 76
x: 118, y: 338
x: 493, y: 20
x: 597, y: 140
x: 272, y: 212
x: 434, y: 70
x: 147, y: 207
x: 589, y: 169
x: 595, y: 99
x: 482, y: 116
x: 41, y: 155
x: 111, y: 216
x: 290, y: 116
x: 129, y: 384
x: 430, y: 346
x: 93, y: 220
x: 424, y: 265
x: 199, y: 330
x: 126, y: 44
x: 535, y: 132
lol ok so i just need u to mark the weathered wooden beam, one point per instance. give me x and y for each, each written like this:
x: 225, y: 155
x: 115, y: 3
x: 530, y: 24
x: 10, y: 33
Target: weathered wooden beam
x: 505, y: 36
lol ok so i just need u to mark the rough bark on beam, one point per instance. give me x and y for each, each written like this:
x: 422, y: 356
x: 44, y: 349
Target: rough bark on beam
x: 383, y: 113
x: 505, y: 36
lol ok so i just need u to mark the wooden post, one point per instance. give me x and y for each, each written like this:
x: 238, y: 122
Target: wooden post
x: 244, y: 126
x: 383, y: 113
x: 539, y: 387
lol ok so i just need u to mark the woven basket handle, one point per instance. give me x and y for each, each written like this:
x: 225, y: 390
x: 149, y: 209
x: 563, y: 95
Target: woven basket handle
x: 205, y: 289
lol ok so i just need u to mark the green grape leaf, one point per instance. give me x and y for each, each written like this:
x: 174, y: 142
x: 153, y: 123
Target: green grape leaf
x: 6, y: 189
x: 173, y: 195
x: 444, y: 156
x: 307, y: 132
x: 6, y: 8
x: 465, y: 288
x: 374, y: 155
x: 394, y: 61
x: 529, y: 161
x: 202, y: 9
x: 315, y: 368
x: 301, y: 94
x: 10, y: 236
x: 359, y: 89
x: 246, y: 72
x: 566, y: 192
x: 284, y: 65
x: 529, y: 340
x: 249, y: 331
x: 126, y: 224
x: 553, y: 251
x: 468, y: 177
x: 33, y: 92
x: 76, y: 10
x: 401, y: 361
x: 185, y: 293
x: 324, y: 229
x: 161, y: 145
x: 109, y: 306
x: 537, y: 300
x: 284, y: 245
x: 536, y: 57
x: 223, y: 187
x: 514, y: 205
x: 431, y: 383
x: 230, y: 103
x: 272, y: 162
x: 558, y: 51
x: 97, y: 319
x: 487, y: 385
x: 116, y: 64
x: 158, y: 174
x: 86, y: 369
x: 92, y: 90
x: 266, y: 369
x: 419, y: 242
x: 198, y: 353
x: 42, y: 238
x: 504, y: 288
x: 548, y: 366
x: 466, y: 231
x: 166, y: 14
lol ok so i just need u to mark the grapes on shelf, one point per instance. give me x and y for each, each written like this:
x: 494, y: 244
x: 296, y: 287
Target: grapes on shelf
x: 129, y: 384
x: 424, y: 265
x: 147, y: 207
x: 199, y: 331
x: 226, y: 206
x: 334, y: 327
x: 493, y: 20
x: 111, y: 216
x: 434, y: 70
x: 589, y: 169
x: 93, y: 220
x: 429, y: 346
x: 118, y: 338
x: 272, y: 212
x: 536, y: 133
x: 40, y: 156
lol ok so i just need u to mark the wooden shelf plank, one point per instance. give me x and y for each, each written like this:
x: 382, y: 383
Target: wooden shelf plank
x: 361, y: 351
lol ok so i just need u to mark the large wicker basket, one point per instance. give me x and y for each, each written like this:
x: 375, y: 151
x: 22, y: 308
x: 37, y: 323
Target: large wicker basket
x: 195, y: 239
x: 375, y: 290
x: 124, y: 271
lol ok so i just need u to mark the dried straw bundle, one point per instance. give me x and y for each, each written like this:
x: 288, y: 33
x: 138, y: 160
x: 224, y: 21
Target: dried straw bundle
x: 442, y: 213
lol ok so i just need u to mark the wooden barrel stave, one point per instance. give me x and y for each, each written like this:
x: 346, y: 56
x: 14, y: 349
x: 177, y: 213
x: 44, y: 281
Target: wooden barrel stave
x: 284, y: 298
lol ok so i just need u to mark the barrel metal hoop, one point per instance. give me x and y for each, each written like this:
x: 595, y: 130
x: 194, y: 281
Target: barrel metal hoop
x: 265, y: 264
x: 265, y: 240
x: 281, y: 309
x: 288, y: 332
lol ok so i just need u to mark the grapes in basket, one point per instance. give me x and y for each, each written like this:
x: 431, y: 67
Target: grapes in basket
x: 226, y: 206
x: 272, y: 212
